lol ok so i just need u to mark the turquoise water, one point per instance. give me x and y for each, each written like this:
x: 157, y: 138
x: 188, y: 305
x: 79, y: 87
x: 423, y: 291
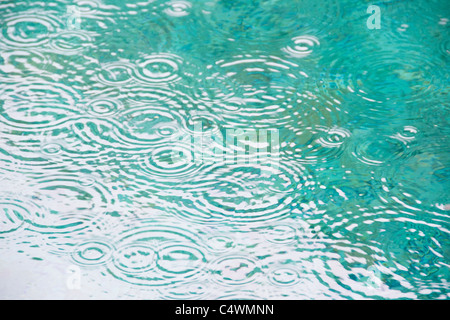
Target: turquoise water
x: 239, y: 149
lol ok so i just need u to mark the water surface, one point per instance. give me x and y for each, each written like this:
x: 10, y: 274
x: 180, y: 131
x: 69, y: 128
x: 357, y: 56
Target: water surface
x: 103, y: 105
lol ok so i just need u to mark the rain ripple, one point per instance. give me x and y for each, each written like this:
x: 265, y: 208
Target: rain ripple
x: 92, y: 253
x: 318, y: 144
x: 28, y: 30
x: 302, y: 46
x: 148, y: 69
x: 235, y: 270
x: 13, y: 214
x: 264, y: 90
x: 157, y: 255
x: 377, y: 150
x: 139, y: 119
x: 242, y: 194
x: 23, y: 62
x: 37, y: 105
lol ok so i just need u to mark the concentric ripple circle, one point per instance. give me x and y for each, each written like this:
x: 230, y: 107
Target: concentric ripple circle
x: 302, y: 46
x: 177, y: 258
x: 51, y: 148
x: 320, y: 144
x: 284, y: 277
x: 135, y: 258
x: 265, y: 90
x: 171, y: 162
x: 220, y: 244
x: 104, y: 107
x: 62, y: 206
x: 280, y: 234
x: 177, y: 8
x: 334, y: 137
x: 379, y: 150
x: 400, y: 190
x: 203, y: 123
x: 116, y: 73
x: 181, y: 260
x: 397, y: 75
x: 34, y: 216
x: 248, y: 22
x: 28, y: 30
x: 37, y: 105
x: 86, y: 7
x: 70, y: 42
x: 235, y: 270
x: 408, y: 134
x: 92, y: 253
x: 149, y: 124
x: 158, y: 68
x: 64, y: 194
x: 144, y: 125
x: 243, y: 194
